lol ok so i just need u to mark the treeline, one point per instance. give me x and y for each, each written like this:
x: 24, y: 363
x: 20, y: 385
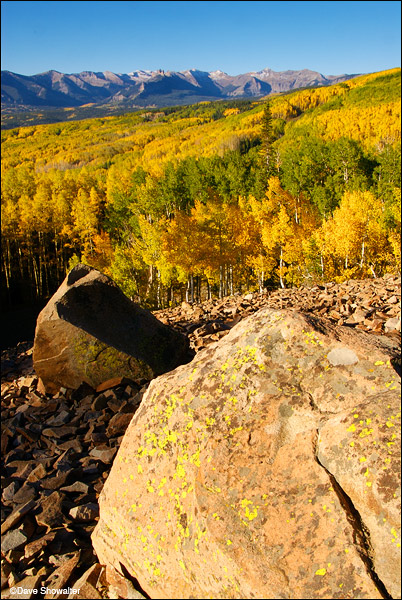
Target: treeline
x: 177, y: 203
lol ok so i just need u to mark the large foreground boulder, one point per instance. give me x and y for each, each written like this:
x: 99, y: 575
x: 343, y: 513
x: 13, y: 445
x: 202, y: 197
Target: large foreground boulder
x: 266, y: 468
x: 90, y: 332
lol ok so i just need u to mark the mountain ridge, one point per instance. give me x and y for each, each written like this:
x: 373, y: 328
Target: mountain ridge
x: 142, y: 88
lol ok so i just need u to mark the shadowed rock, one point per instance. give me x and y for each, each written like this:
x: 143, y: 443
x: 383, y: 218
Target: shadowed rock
x: 90, y: 332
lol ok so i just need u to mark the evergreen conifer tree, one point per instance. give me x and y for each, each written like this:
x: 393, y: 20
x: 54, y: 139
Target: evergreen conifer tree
x: 267, y: 139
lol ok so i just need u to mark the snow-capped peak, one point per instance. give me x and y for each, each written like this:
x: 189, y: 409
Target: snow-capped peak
x: 218, y: 74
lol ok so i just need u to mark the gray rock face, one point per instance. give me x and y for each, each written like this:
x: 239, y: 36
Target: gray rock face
x: 90, y: 332
x: 165, y: 88
x: 12, y: 540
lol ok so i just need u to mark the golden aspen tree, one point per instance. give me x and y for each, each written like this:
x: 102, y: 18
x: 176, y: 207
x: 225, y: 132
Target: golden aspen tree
x: 231, y: 111
x: 267, y: 139
x: 284, y: 226
x: 245, y: 233
x: 354, y: 239
x: 218, y: 247
x: 394, y: 229
x: 126, y: 269
x: 85, y: 212
x: 9, y: 237
x: 258, y: 259
x: 149, y: 245
x: 183, y: 250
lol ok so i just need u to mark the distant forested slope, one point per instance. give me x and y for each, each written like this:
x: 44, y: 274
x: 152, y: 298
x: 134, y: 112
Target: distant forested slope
x: 179, y: 200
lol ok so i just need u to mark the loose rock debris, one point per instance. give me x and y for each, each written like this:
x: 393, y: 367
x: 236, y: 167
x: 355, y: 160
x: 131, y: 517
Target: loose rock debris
x: 57, y: 450
x: 56, y: 455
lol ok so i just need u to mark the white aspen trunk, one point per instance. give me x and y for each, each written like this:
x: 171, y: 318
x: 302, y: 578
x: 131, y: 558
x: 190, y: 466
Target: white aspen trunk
x: 158, y: 289
x: 8, y: 261
x: 280, y: 269
x: 262, y: 280
x: 44, y: 262
x: 150, y: 279
x: 322, y: 265
x: 6, y: 271
x: 20, y: 262
x: 362, y: 258
x: 56, y: 251
x: 192, y: 288
x: 40, y: 271
x: 278, y: 162
x: 40, y: 263
x: 35, y: 270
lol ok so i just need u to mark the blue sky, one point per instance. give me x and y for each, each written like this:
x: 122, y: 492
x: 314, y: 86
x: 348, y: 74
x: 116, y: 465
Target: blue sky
x: 235, y: 37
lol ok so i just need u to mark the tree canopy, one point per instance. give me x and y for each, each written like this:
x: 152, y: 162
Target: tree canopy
x: 217, y: 196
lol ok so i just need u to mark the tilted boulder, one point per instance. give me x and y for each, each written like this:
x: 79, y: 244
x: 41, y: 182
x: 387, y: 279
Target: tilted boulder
x: 266, y: 468
x: 90, y: 332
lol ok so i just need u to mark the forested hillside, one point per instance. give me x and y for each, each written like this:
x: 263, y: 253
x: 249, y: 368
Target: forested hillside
x: 214, y: 198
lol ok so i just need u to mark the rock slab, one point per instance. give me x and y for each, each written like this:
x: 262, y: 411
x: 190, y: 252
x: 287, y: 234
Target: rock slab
x: 266, y: 468
x: 91, y: 332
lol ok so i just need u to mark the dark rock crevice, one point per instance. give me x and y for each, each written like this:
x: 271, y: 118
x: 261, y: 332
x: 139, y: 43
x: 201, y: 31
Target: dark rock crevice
x: 361, y: 534
x: 134, y: 583
x: 315, y: 406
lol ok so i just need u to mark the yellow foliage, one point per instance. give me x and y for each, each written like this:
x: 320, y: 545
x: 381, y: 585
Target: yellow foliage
x: 371, y: 125
x: 231, y: 111
x: 354, y: 241
x: 394, y: 234
x: 60, y: 184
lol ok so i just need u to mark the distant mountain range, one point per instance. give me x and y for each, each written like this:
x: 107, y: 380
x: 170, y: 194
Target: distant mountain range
x: 149, y: 88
